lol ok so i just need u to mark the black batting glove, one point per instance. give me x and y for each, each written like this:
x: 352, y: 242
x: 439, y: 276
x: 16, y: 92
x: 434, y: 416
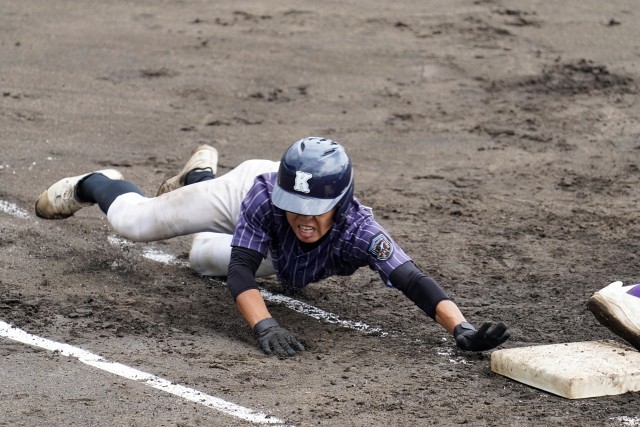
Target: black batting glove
x: 274, y: 338
x: 469, y: 338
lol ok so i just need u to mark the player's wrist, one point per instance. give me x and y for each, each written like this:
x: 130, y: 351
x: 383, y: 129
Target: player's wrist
x: 264, y: 325
x: 462, y: 328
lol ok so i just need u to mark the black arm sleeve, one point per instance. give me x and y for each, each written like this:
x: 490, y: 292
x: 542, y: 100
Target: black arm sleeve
x: 242, y: 270
x: 419, y: 288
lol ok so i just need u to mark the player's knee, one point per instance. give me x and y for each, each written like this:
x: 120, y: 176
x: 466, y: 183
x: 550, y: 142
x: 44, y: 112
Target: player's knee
x: 210, y: 254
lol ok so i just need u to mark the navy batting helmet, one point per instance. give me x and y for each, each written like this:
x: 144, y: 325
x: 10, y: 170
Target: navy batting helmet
x: 315, y: 175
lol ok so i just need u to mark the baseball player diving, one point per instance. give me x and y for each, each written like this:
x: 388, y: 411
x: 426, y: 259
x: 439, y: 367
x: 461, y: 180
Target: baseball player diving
x: 297, y: 218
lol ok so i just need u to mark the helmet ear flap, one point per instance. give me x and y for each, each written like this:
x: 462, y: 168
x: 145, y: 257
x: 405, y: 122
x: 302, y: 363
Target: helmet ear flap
x: 344, y: 204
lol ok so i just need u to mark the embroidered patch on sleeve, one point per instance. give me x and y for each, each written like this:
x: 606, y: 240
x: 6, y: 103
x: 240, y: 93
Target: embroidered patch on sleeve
x: 381, y: 247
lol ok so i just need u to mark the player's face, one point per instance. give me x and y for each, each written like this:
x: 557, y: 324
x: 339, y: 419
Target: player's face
x: 309, y: 229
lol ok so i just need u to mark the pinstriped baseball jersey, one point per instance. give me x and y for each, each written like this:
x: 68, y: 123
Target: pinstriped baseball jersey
x: 355, y: 242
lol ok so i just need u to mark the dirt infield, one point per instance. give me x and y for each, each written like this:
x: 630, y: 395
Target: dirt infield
x: 497, y: 142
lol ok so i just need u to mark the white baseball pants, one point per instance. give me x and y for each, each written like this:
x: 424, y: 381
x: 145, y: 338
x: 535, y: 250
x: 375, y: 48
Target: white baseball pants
x: 208, y: 209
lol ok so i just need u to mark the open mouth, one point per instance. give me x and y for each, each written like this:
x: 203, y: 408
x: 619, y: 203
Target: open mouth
x: 306, y: 231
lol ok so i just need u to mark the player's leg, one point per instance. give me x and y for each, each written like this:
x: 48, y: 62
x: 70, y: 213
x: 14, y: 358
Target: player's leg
x: 212, y: 205
x: 210, y: 254
x: 61, y: 200
x: 209, y: 206
x: 67, y: 196
x: 201, y: 166
x: 618, y: 308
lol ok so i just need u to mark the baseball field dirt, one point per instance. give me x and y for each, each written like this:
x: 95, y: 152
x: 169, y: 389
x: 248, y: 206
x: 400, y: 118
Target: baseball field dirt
x: 498, y: 143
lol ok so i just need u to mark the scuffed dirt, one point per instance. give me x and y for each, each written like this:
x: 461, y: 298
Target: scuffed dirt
x: 498, y: 143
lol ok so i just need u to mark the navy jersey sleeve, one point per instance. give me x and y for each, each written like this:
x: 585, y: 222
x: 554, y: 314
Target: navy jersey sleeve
x: 252, y: 229
x: 372, y: 244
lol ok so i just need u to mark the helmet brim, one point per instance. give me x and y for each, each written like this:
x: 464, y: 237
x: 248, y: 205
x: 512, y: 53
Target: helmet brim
x: 300, y: 204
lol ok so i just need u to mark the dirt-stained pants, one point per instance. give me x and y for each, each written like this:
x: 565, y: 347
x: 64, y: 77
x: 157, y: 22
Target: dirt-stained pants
x: 208, y: 209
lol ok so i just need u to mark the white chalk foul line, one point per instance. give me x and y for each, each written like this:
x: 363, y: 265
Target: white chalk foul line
x: 293, y: 304
x: 319, y: 314
x: 149, y: 252
x: 229, y: 408
x: 12, y: 209
x: 628, y: 421
x: 299, y: 306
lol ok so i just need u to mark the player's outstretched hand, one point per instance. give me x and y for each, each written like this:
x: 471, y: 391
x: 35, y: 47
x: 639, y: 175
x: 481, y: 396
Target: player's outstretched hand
x: 487, y: 337
x: 274, y: 338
